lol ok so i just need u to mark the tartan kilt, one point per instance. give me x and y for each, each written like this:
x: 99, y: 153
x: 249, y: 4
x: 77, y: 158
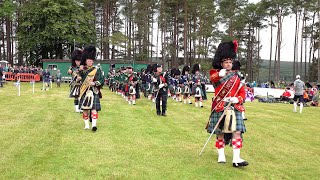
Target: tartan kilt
x: 171, y: 89
x: 214, y: 117
x: 96, y: 102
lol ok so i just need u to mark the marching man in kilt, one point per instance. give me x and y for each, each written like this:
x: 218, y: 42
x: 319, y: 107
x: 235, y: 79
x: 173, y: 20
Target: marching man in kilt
x: 230, y: 94
x: 90, y: 94
x: 132, y: 83
x: 187, y: 81
x: 161, y: 85
x: 74, y: 84
x: 197, y: 90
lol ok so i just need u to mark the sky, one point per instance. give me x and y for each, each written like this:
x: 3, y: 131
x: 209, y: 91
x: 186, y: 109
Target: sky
x: 287, y: 53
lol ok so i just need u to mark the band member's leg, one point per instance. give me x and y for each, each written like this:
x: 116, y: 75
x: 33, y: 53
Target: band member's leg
x: 134, y: 99
x: 129, y: 99
x: 158, y: 105
x: 237, y: 145
x: 196, y: 99
x: 76, y: 104
x: 164, y: 104
x: 86, y: 119
x: 94, y: 117
x: 220, y: 147
x: 189, y: 99
x: 185, y: 98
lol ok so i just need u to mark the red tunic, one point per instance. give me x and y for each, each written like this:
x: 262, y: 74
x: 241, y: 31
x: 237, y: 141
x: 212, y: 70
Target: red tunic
x: 286, y: 94
x: 214, y: 77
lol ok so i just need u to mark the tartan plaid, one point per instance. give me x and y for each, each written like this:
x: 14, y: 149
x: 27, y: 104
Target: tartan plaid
x: 214, y: 117
x: 96, y: 102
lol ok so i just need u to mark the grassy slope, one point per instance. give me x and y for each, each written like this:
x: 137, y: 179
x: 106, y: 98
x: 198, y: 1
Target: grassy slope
x: 42, y: 138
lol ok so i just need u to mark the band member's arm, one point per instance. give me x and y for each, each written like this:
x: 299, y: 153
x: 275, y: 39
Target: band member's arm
x: 99, y: 80
x: 214, y: 75
x: 241, y: 94
x: 70, y: 70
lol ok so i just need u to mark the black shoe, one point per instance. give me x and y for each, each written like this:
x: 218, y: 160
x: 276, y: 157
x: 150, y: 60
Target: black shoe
x: 94, y: 128
x: 163, y: 114
x: 244, y: 163
x: 245, y: 119
x: 190, y: 103
x: 158, y: 113
x: 201, y: 106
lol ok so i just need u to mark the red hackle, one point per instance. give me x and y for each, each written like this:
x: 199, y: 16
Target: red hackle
x: 235, y: 42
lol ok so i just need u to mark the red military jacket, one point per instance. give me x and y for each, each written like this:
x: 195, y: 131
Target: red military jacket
x: 214, y: 77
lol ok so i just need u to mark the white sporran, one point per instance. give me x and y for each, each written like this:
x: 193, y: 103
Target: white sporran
x: 88, y: 100
x: 197, y: 92
x: 186, y: 89
x: 230, y: 121
x: 179, y: 90
x: 132, y: 90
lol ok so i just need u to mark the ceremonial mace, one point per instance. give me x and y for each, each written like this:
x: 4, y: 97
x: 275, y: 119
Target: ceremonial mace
x: 242, y: 82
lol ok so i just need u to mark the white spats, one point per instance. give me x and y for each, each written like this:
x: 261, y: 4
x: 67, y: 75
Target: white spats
x: 86, y: 124
x: 236, y: 156
x: 77, y: 108
x: 134, y: 102
x: 221, y: 156
x: 301, y: 107
x: 94, y: 122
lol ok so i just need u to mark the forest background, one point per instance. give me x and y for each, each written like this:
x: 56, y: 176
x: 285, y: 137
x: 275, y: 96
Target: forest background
x: 171, y: 32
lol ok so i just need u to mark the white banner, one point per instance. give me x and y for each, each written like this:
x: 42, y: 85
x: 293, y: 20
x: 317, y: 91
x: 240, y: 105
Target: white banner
x: 209, y: 88
x: 270, y: 92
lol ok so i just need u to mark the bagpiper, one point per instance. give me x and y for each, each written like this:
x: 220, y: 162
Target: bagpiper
x: 178, y: 85
x: 160, y: 81
x: 197, y: 90
x: 187, y: 84
x: 90, y: 94
x: 74, y: 84
x: 131, y: 86
x: 230, y: 94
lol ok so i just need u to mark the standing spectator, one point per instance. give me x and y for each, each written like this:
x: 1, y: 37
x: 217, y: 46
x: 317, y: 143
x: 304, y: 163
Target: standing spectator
x: 46, y: 78
x: 58, y: 78
x: 298, y: 87
x: 1, y: 74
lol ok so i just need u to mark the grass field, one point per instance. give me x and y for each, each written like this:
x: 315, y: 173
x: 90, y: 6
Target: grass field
x: 43, y: 138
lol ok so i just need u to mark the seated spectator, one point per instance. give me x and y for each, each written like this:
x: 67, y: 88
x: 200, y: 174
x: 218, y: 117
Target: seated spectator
x: 285, y: 95
x: 1, y: 74
x: 305, y: 96
x: 315, y: 99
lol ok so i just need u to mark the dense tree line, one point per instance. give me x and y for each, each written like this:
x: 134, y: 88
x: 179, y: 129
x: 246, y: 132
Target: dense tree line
x: 175, y: 32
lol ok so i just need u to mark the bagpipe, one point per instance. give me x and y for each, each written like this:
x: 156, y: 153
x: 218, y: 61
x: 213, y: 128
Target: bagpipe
x: 87, y: 91
x: 75, y: 86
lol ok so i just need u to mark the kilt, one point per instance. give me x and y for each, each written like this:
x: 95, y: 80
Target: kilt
x: 214, y: 117
x: 96, y: 102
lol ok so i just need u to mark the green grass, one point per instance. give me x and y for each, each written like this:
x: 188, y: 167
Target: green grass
x: 43, y: 138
